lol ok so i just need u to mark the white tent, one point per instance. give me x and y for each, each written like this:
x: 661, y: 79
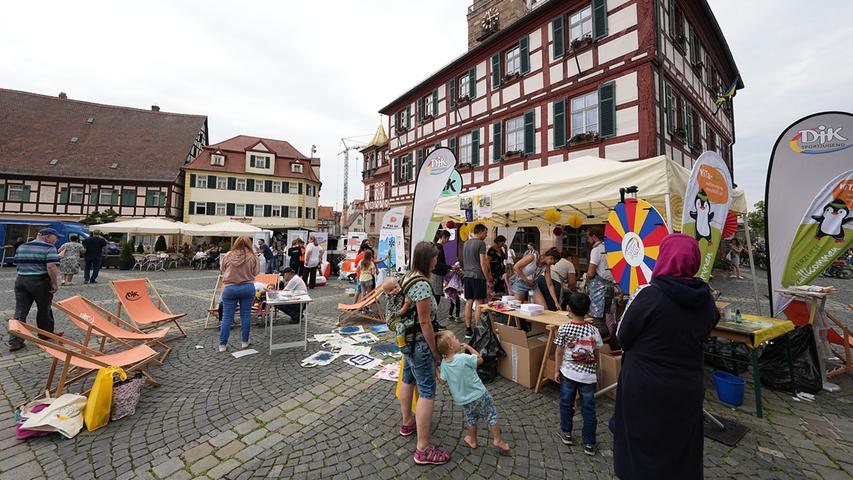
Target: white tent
x: 586, y: 186
x: 223, y: 229
x: 143, y: 226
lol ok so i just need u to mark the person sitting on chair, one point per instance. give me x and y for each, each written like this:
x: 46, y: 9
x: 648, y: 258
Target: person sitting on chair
x: 295, y: 285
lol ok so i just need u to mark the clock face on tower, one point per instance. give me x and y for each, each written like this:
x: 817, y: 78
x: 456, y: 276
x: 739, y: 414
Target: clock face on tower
x: 490, y: 20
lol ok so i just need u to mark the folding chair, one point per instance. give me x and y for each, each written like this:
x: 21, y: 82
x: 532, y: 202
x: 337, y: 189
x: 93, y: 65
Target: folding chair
x: 352, y: 311
x: 840, y: 338
x: 79, y: 360
x: 95, y: 320
x: 133, y: 296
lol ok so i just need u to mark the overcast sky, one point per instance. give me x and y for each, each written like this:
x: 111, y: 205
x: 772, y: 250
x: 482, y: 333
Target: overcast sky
x: 314, y: 72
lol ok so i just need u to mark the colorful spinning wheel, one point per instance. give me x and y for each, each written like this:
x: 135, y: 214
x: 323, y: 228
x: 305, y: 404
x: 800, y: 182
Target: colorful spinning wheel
x: 632, y: 240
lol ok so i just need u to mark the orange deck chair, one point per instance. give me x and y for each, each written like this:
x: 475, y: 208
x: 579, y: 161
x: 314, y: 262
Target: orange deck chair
x: 213, y: 309
x: 79, y: 360
x: 352, y: 311
x: 95, y: 320
x: 133, y: 296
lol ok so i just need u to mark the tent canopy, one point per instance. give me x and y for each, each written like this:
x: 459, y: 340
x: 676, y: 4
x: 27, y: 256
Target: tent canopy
x: 223, y: 229
x: 143, y: 226
x: 586, y: 186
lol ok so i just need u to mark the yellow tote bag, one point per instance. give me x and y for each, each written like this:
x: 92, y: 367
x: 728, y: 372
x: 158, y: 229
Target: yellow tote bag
x: 400, y: 382
x: 97, y: 411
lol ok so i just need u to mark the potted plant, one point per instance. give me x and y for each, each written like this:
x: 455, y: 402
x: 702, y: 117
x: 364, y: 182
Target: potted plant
x: 681, y: 41
x: 585, y: 137
x: 511, y: 76
x: 513, y: 153
x: 681, y: 134
x: 463, y: 166
x: 581, y: 42
x: 126, y: 257
x: 139, y: 249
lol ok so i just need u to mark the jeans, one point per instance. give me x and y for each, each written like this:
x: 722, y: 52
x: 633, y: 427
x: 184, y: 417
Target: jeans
x: 27, y: 291
x: 292, y: 311
x: 231, y: 295
x: 419, y: 368
x: 568, y: 388
x: 93, y: 264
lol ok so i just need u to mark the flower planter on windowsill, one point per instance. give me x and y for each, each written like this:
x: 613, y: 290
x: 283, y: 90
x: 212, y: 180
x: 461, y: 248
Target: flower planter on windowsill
x: 579, y: 44
x: 401, y: 130
x: 698, y: 66
x: 463, y: 101
x: 513, y: 155
x: 510, y: 78
x: 680, y: 42
x: 583, y: 139
x: 680, y: 136
x: 427, y: 117
x: 464, y: 166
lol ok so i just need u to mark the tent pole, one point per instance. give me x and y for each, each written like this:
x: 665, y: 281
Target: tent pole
x: 668, y: 212
x: 751, y: 262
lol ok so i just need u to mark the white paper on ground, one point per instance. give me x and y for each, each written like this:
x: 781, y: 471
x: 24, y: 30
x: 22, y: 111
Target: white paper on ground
x: 325, y: 337
x: 388, y: 372
x: 243, y: 353
x: 365, y: 362
x: 355, y: 350
x: 365, y: 338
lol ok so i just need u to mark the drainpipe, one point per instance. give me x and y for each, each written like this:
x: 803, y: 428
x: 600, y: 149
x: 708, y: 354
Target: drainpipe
x: 658, y: 64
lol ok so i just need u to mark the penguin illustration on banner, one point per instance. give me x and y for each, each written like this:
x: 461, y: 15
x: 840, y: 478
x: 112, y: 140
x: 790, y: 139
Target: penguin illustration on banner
x: 832, y: 220
x: 703, y: 216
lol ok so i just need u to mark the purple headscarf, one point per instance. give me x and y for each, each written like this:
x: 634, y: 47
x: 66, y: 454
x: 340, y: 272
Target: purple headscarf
x: 679, y: 257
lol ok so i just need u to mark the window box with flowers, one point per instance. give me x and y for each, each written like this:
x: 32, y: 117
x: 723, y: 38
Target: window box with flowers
x: 680, y: 42
x: 581, y: 42
x: 465, y: 99
x: 698, y: 66
x: 464, y: 166
x: 511, y: 77
x: 681, y: 135
x: 402, y: 129
x: 511, y: 154
x: 582, y: 138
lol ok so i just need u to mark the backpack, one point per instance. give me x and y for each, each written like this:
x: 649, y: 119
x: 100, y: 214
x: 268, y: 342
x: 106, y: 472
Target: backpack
x: 404, y: 326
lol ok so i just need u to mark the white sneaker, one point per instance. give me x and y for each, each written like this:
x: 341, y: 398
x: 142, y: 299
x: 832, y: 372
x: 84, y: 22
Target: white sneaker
x: 222, y: 348
x: 244, y: 345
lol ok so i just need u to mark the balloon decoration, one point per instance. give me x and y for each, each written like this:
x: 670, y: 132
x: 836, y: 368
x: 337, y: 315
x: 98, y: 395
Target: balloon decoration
x: 450, y: 224
x: 730, y: 227
x: 632, y: 239
x: 575, y: 221
x: 551, y: 215
x: 558, y: 231
x: 463, y: 232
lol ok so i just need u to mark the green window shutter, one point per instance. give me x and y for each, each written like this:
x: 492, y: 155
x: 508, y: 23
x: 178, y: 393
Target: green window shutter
x: 149, y: 198
x: 599, y: 19
x: 411, y: 167
x: 114, y: 197
x: 420, y: 158
x: 475, y: 147
x: 299, y: 212
x: 229, y: 209
x: 408, y: 116
x: 25, y: 193
x: 268, y: 186
x: 162, y: 199
x: 496, y: 70
x: 472, y: 83
x: 497, y: 137
x: 299, y: 188
x: 285, y: 187
x: 530, y: 131
x: 694, y: 50
x: 559, y: 37
x: 211, y: 181
x: 231, y: 183
x: 688, y: 124
x: 2, y: 192
x: 250, y: 184
x: 669, y: 109
x: 672, y: 18
x: 451, y: 92
x: 267, y: 210
x: 396, y: 174
x: 192, y: 208
x: 453, y: 145
x: 192, y: 180
x: 435, y: 103
x: 524, y: 53
x: 559, y: 123
x: 283, y: 211
x: 607, y: 110
x: 128, y: 197
x: 420, y: 109
x: 63, y: 195
x: 93, y: 196
x: 210, y: 208
x: 250, y: 210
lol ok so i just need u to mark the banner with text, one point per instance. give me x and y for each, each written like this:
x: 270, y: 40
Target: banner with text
x: 706, y: 205
x: 391, y: 243
x: 432, y: 179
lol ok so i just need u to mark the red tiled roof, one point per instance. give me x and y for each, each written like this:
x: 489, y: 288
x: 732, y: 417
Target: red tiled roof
x: 146, y: 145
x: 326, y: 213
x: 235, y: 149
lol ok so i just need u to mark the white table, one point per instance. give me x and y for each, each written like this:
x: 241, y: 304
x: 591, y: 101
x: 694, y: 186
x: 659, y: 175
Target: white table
x: 302, y: 300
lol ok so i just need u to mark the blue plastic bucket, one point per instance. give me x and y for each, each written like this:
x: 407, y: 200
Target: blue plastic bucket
x: 729, y: 388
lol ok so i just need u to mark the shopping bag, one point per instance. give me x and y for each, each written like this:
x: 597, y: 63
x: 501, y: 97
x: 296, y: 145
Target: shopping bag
x: 97, y: 412
x: 24, y: 412
x: 63, y: 415
x: 126, y: 397
x: 400, y: 382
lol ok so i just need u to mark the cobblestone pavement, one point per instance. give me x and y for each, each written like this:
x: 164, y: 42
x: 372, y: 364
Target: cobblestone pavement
x: 264, y: 416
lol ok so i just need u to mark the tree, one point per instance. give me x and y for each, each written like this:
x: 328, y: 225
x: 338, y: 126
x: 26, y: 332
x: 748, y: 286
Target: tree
x: 96, y: 218
x: 160, y: 244
x: 757, y: 218
x: 126, y: 252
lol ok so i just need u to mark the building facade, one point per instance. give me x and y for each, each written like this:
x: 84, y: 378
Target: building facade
x: 260, y: 181
x: 376, y: 176
x: 61, y: 159
x: 352, y: 218
x: 614, y: 79
x: 329, y: 221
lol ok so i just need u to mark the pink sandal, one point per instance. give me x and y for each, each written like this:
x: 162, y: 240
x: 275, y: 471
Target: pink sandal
x: 407, y: 430
x: 431, y: 456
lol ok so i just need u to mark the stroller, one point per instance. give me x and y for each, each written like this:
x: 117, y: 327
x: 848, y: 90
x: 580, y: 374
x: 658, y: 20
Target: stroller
x: 486, y: 342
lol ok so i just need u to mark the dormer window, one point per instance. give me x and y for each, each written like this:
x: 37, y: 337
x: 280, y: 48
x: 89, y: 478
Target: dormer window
x: 259, y: 161
x: 296, y: 168
x: 217, y: 160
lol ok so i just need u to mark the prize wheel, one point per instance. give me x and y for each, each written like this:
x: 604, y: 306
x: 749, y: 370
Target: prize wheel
x: 632, y: 239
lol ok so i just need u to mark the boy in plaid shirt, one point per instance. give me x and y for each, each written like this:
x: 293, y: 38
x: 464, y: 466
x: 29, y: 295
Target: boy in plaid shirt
x: 577, y: 347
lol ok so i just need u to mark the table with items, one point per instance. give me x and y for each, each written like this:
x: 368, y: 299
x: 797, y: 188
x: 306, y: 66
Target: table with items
x: 275, y: 298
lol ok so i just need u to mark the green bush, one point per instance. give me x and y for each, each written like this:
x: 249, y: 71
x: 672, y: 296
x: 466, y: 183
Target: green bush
x: 160, y: 244
x: 139, y: 249
x: 226, y: 246
x: 126, y: 252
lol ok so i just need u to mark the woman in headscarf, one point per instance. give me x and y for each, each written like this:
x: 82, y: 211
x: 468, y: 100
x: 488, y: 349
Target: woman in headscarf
x: 658, y: 413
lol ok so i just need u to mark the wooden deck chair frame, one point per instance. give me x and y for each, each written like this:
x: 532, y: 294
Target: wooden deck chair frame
x: 71, y: 350
x: 348, y: 312
x: 213, y: 308
x: 842, y: 340
x: 161, y: 305
x: 94, y: 329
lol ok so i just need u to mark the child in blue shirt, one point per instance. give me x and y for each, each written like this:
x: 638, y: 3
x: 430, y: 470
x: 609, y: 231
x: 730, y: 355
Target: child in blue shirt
x: 459, y: 372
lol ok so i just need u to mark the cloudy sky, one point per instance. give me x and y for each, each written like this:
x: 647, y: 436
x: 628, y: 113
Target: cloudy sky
x: 314, y: 72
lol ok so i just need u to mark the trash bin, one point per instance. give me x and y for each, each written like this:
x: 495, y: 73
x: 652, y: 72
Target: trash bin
x: 729, y: 388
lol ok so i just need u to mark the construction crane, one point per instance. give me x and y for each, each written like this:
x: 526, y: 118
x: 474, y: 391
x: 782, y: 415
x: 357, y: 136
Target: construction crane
x: 350, y: 144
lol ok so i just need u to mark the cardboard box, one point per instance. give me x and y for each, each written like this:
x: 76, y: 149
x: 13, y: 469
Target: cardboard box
x: 523, y: 355
x: 609, y: 365
x: 531, y: 309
